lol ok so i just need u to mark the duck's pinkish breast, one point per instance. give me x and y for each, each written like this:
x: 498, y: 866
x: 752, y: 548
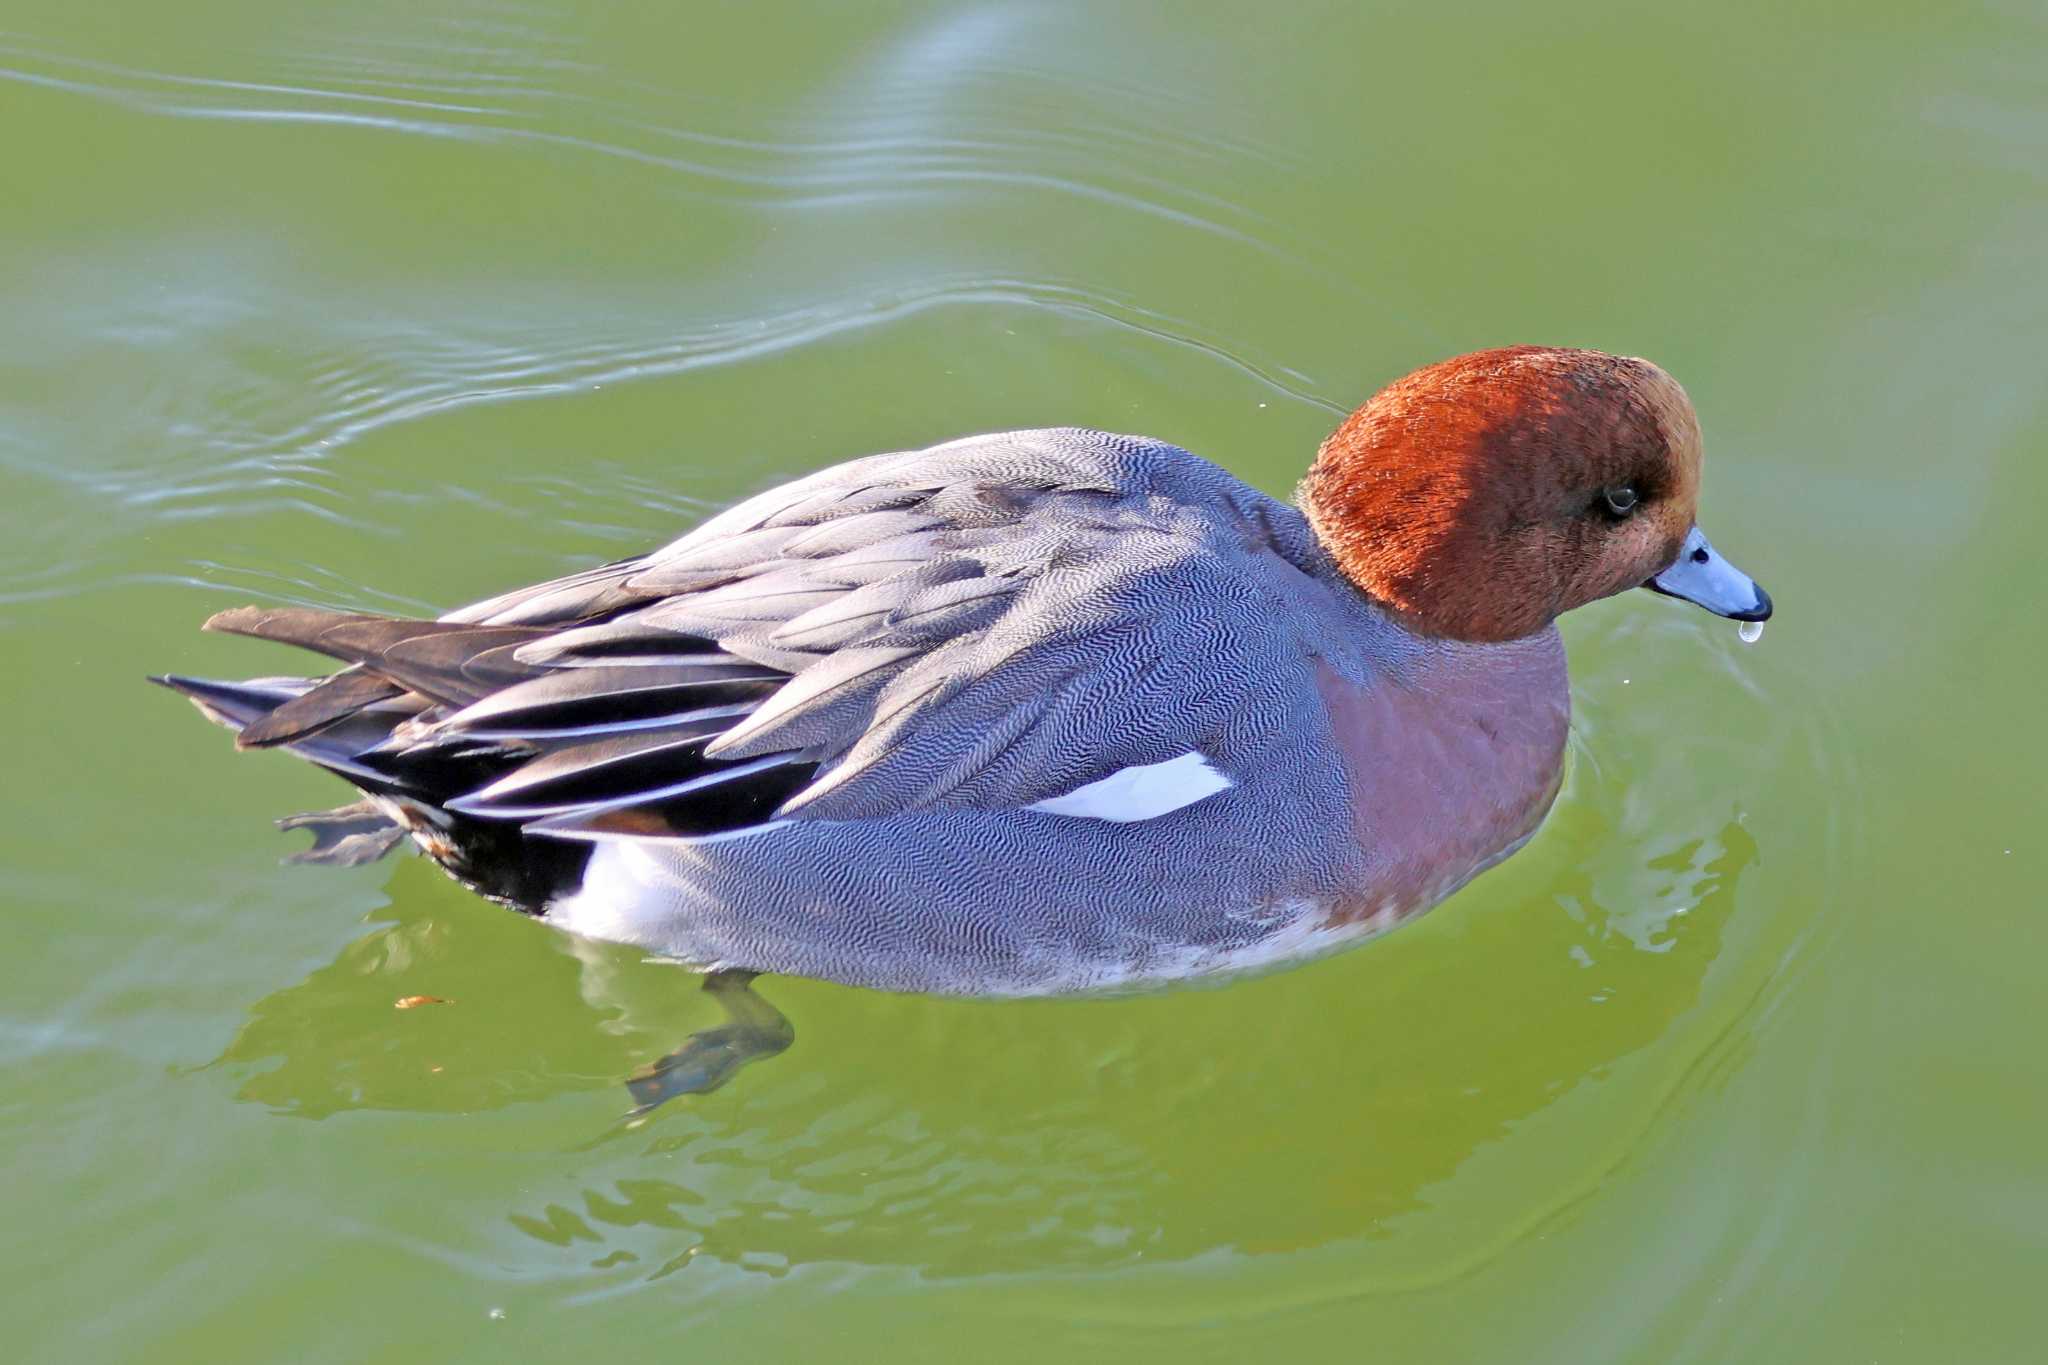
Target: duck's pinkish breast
x: 1450, y: 768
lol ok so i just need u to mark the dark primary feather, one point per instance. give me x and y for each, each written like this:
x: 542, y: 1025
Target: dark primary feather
x: 347, y: 693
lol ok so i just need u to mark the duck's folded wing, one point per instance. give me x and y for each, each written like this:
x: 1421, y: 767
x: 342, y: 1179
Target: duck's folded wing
x: 947, y: 684
x: 997, y: 623
x: 929, y: 662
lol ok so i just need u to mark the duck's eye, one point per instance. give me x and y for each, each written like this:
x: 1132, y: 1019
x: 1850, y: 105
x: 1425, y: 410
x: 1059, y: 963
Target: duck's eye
x: 1620, y: 499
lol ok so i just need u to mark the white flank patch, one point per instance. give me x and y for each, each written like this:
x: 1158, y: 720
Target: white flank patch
x: 629, y: 891
x: 614, y: 881
x: 1141, y: 793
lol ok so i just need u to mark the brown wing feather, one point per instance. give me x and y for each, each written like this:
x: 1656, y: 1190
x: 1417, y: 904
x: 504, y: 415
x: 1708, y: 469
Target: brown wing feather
x: 449, y: 661
x: 344, y: 694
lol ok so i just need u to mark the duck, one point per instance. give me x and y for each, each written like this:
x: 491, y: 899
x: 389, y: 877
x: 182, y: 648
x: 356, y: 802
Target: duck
x: 1034, y: 712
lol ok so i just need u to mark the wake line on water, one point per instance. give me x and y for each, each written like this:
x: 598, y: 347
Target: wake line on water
x: 293, y: 458
x: 375, y: 372
x: 287, y: 473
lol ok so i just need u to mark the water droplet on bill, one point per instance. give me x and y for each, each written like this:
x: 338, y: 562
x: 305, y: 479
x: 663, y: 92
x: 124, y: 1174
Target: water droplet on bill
x: 1750, y: 631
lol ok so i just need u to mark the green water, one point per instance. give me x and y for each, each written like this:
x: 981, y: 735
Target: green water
x: 392, y: 306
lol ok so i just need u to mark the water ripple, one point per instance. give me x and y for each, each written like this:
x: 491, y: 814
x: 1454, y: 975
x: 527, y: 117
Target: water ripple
x: 996, y: 116
x: 413, y: 371
x: 826, y: 167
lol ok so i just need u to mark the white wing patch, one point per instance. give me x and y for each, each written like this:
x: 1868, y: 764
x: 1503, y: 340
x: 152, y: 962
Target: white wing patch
x: 1141, y: 793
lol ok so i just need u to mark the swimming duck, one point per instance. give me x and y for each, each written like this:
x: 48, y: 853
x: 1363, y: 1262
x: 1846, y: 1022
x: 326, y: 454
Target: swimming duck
x: 1025, y: 713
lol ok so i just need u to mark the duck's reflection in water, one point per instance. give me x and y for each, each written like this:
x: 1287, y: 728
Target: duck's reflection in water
x: 969, y: 1137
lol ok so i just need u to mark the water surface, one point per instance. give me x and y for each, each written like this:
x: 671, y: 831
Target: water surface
x: 395, y: 306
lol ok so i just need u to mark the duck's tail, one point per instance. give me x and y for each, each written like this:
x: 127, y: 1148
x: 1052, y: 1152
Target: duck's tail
x: 370, y: 724
x: 495, y: 745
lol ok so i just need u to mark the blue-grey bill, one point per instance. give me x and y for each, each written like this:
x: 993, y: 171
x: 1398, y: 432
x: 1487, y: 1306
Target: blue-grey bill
x: 1702, y: 577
